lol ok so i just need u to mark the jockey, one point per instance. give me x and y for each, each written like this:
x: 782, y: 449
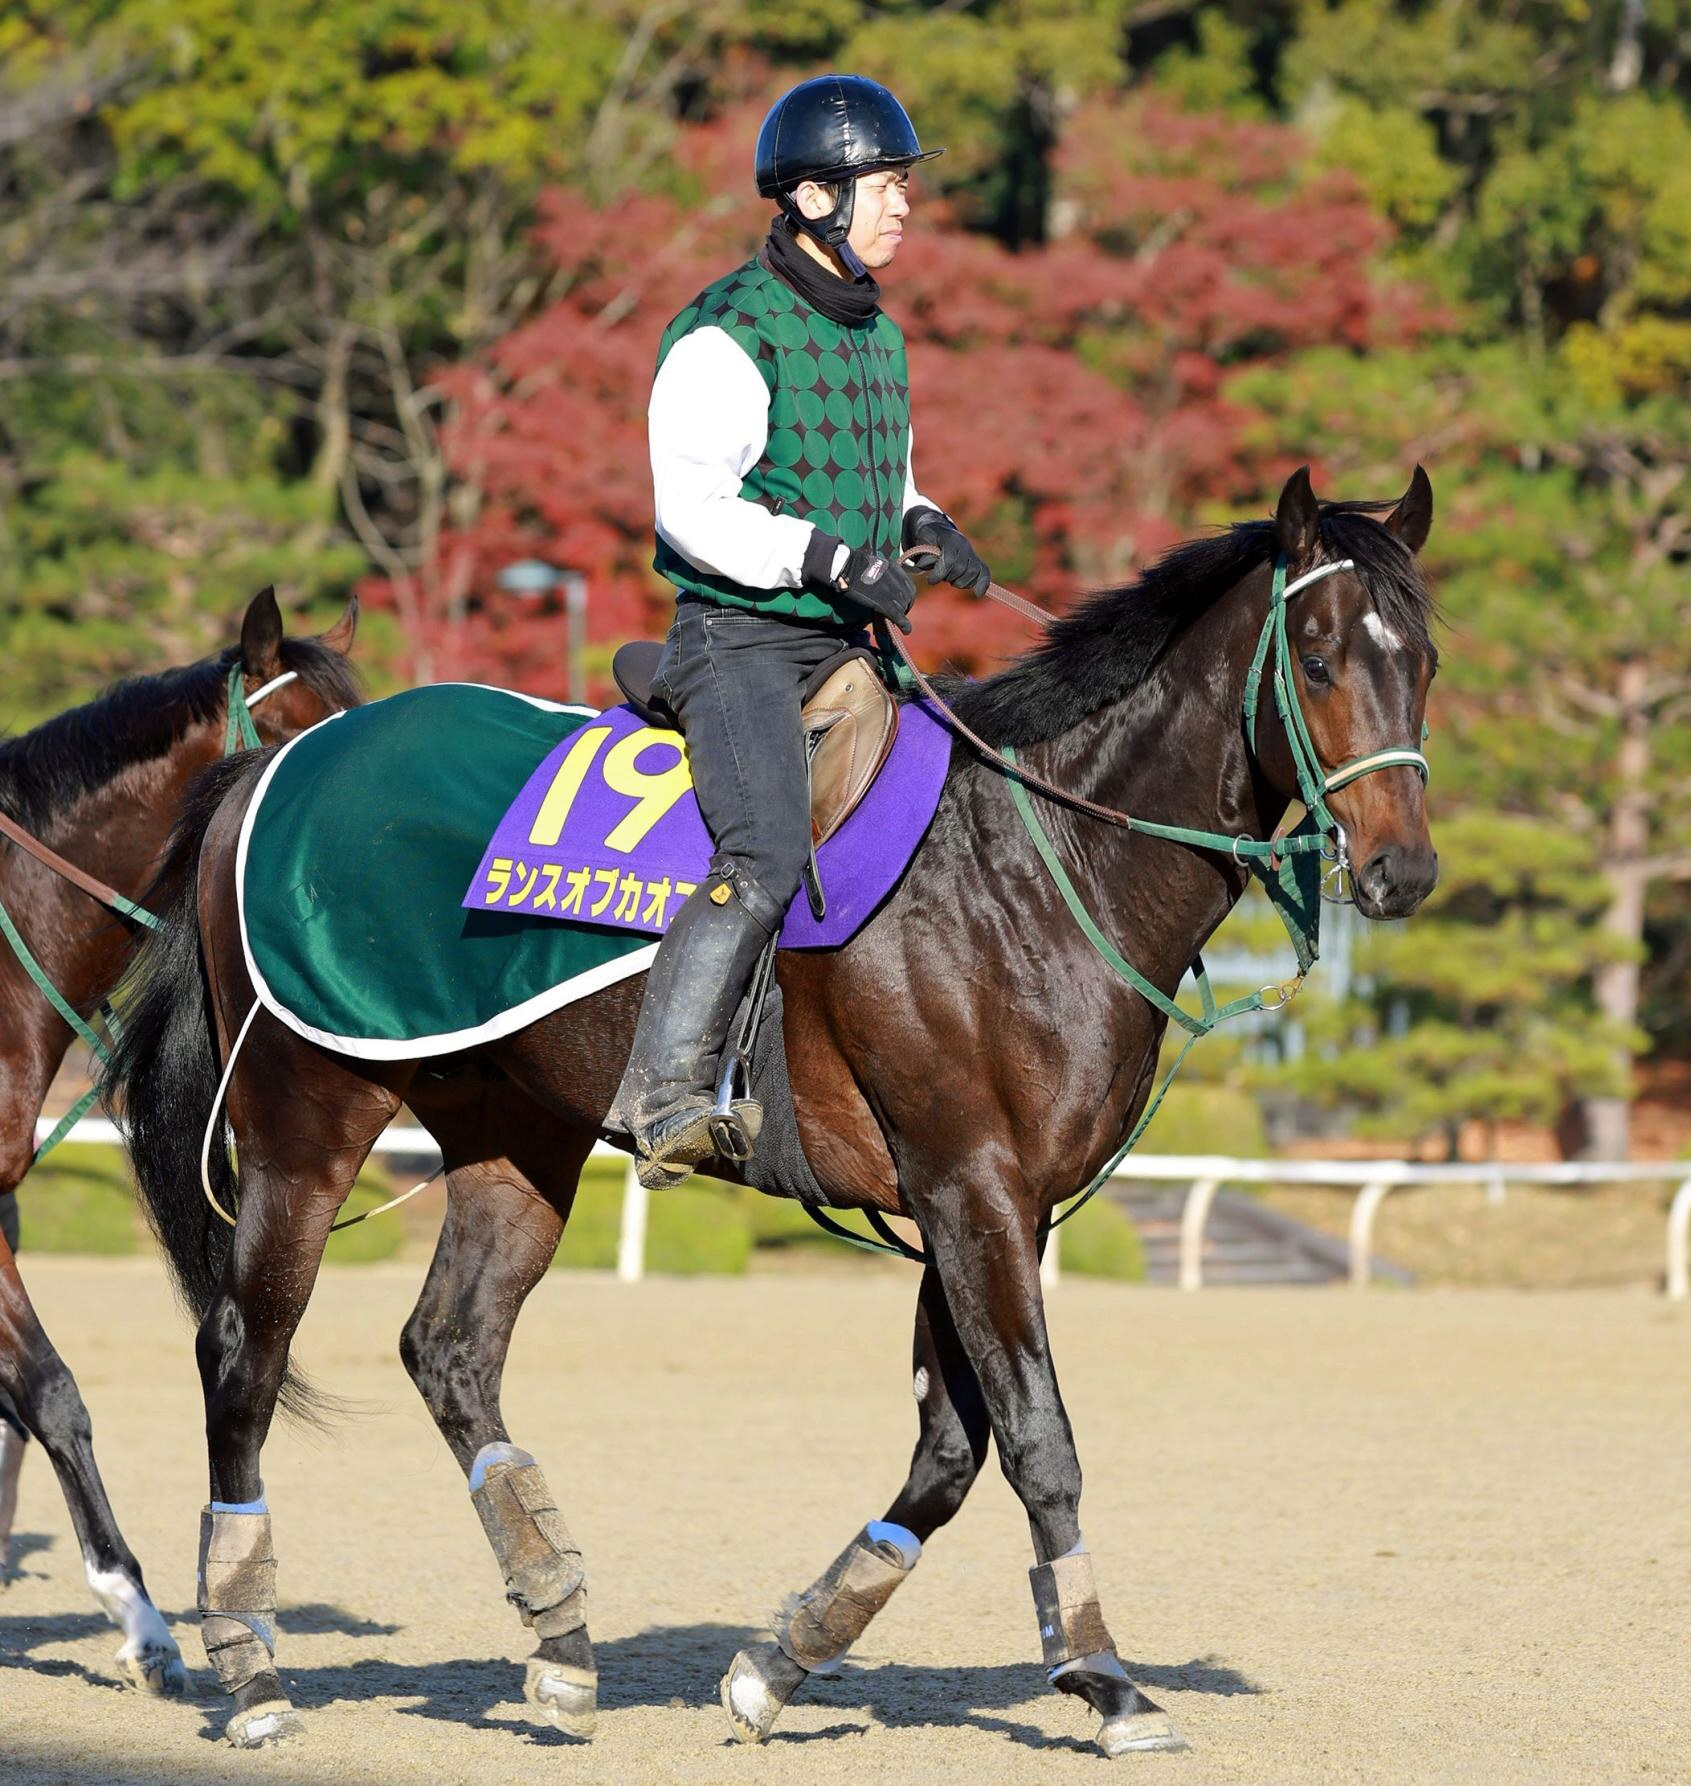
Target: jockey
x: 779, y: 428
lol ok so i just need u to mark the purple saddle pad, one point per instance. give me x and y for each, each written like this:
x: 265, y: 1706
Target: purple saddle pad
x: 607, y: 832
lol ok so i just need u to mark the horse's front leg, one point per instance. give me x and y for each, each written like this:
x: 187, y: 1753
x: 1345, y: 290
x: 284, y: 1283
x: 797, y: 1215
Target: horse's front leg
x: 38, y: 1386
x: 832, y: 1613
x: 497, y: 1241
x: 985, y: 1248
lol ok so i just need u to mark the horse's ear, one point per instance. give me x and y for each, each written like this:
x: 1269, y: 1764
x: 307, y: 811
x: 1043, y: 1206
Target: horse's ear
x: 1297, y: 521
x: 261, y: 636
x: 339, y: 637
x: 1412, y: 519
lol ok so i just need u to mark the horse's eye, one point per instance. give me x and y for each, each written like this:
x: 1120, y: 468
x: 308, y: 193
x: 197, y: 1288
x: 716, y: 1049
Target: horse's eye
x: 1315, y: 668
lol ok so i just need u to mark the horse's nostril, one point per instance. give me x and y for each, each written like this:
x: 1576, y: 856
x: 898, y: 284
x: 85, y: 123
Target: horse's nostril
x: 1377, y: 873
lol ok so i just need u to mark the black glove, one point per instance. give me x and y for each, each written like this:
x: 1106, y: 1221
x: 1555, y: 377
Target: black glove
x: 958, y: 563
x: 872, y: 580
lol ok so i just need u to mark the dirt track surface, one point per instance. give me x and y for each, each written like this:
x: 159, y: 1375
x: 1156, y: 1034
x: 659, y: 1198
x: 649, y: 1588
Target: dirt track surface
x: 1397, y: 1537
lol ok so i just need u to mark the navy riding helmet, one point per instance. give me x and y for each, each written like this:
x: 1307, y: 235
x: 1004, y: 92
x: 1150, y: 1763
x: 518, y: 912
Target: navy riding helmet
x: 833, y: 129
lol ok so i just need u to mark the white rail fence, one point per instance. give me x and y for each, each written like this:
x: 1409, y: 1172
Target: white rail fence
x: 1372, y: 1180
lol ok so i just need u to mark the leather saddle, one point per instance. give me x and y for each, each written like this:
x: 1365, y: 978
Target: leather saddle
x: 849, y: 720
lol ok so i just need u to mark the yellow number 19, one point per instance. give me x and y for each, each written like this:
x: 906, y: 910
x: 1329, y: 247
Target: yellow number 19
x: 656, y: 794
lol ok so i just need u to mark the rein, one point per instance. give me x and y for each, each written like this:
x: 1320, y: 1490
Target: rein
x: 239, y: 734
x: 89, y: 884
x: 1289, y: 866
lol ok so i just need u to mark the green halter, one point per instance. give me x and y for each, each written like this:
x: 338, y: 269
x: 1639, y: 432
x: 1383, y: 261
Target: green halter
x: 1313, y: 781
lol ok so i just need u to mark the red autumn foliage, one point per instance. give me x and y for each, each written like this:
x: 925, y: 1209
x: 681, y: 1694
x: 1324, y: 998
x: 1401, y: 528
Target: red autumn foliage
x: 1069, y: 400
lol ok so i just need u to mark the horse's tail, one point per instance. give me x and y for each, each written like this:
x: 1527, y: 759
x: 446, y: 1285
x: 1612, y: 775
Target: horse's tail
x: 164, y: 1071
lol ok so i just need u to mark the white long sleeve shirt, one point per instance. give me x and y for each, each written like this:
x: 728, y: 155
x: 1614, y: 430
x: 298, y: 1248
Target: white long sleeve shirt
x: 707, y: 425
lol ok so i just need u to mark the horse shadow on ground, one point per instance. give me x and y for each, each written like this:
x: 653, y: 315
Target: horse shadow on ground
x: 12, y: 1556
x: 681, y: 1665
x: 22, y: 1636
x: 677, y: 1666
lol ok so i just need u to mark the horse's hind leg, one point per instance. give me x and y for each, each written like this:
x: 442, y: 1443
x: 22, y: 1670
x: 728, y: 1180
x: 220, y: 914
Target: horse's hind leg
x: 302, y: 1145
x: 831, y: 1614
x: 37, y: 1385
x: 498, y: 1238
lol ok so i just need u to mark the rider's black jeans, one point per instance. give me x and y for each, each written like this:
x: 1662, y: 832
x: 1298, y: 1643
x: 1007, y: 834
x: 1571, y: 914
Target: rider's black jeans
x: 734, y: 678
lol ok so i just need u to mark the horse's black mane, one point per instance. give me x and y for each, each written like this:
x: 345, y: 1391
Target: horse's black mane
x: 78, y: 752
x: 1103, y: 650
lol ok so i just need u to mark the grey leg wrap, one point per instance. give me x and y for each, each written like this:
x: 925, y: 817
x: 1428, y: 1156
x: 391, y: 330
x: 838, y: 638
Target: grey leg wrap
x: 1080, y: 1657
x: 835, y: 1611
x: 237, y: 1596
x: 544, y: 1577
x: 1071, y: 1622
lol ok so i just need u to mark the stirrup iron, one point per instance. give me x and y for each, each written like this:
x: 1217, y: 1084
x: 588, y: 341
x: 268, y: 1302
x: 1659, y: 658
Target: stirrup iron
x: 731, y: 1133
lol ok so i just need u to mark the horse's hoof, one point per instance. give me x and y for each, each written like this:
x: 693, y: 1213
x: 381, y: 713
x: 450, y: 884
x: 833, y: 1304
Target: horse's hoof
x: 748, y: 1698
x: 154, y: 1668
x: 1139, y: 1733
x: 274, y: 1721
x: 566, y: 1698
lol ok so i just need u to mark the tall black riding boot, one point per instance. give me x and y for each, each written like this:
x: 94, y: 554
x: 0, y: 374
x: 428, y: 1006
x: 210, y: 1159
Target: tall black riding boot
x: 667, y: 1097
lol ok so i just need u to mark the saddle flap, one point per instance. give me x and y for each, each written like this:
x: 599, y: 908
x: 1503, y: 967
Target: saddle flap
x: 850, y: 723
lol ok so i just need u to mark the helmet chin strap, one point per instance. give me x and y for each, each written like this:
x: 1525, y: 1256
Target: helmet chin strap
x: 831, y: 231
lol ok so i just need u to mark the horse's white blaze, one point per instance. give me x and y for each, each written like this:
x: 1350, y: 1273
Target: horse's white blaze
x: 921, y: 1383
x: 1381, y: 634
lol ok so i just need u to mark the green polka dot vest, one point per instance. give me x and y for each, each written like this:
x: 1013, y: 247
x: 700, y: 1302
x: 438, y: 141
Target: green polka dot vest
x: 839, y: 429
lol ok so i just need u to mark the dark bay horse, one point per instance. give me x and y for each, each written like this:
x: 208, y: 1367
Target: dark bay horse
x: 968, y: 1060
x: 101, y: 786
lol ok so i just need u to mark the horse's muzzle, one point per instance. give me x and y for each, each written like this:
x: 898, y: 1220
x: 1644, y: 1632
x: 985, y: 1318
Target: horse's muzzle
x: 1395, y: 879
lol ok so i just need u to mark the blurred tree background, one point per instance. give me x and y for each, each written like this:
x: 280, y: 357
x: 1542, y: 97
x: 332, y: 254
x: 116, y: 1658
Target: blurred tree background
x: 364, y: 294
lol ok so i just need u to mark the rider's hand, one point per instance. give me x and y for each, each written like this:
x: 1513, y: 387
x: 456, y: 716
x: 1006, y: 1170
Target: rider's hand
x: 958, y: 563
x: 876, y: 582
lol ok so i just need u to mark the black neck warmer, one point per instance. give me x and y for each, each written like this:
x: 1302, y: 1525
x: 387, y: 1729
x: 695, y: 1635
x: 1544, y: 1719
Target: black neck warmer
x: 849, y: 301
